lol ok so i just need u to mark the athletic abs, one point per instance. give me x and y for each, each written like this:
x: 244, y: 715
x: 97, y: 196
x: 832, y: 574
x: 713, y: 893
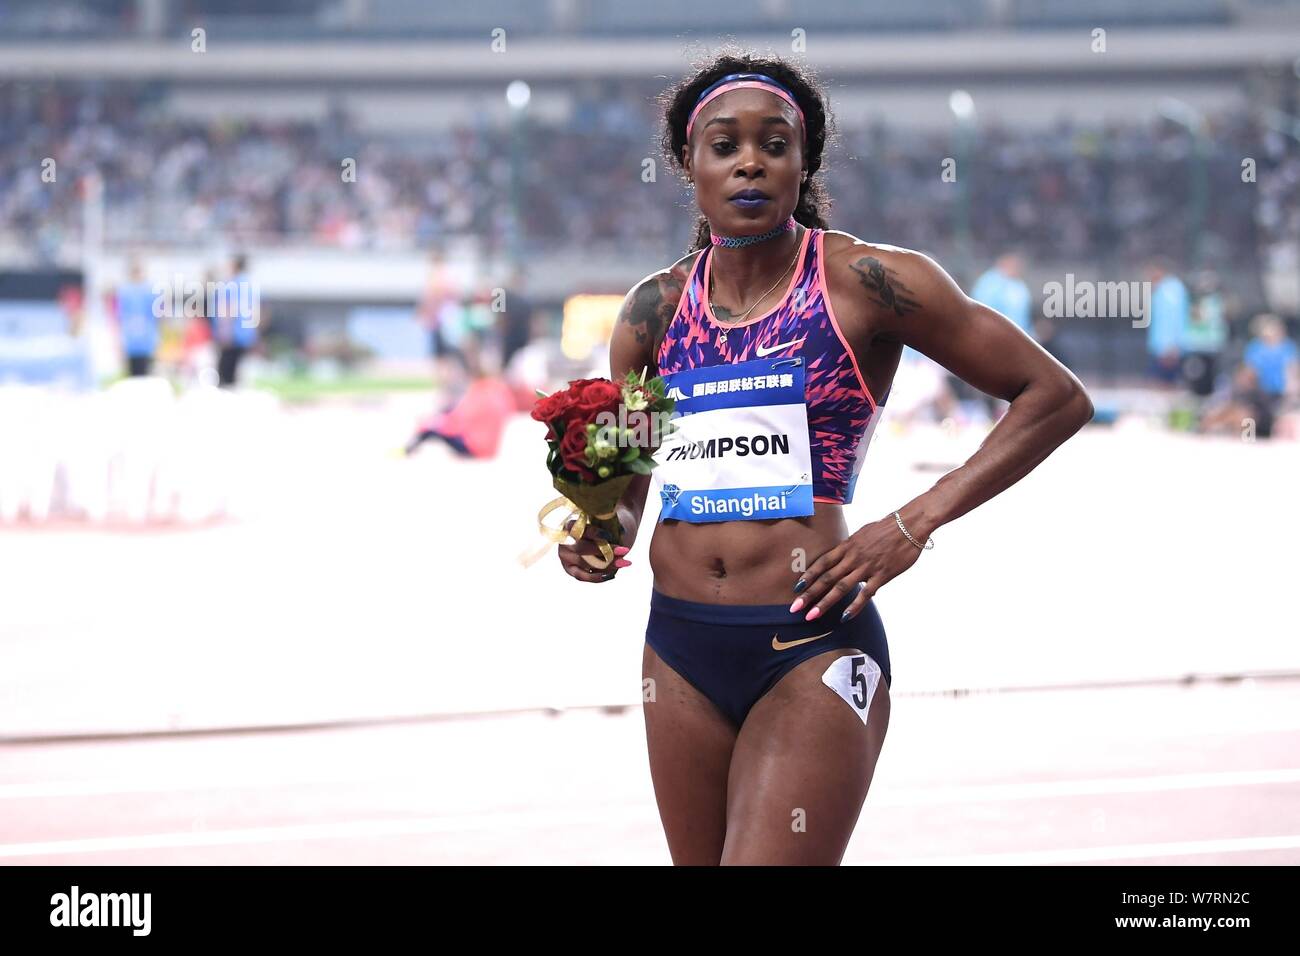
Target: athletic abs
x: 740, y: 562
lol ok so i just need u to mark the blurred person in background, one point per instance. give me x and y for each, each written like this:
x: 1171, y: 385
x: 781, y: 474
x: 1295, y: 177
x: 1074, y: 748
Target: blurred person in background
x: 1003, y: 289
x: 1245, y: 402
x: 71, y: 300
x: 133, y: 306
x: 473, y: 426
x: 1272, y: 355
x: 921, y: 391
x: 198, y: 344
x: 515, y: 322
x: 481, y: 321
x: 1049, y: 337
x: 238, y: 319
x: 1167, y: 322
x: 440, y: 312
x: 536, y: 365
x: 1205, y: 336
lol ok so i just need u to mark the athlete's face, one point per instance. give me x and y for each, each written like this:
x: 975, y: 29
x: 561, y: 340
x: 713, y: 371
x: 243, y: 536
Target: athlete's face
x: 746, y: 139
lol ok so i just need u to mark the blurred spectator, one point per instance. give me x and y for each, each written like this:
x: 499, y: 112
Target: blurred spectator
x: 238, y: 318
x: 921, y: 391
x: 1049, y: 337
x: 472, y: 427
x: 480, y: 321
x: 541, y: 364
x: 1001, y: 288
x: 199, y: 355
x: 1168, y: 317
x: 436, y: 310
x: 1245, y: 403
x: 1205, y: 336
x: 516, y: 320
x: 1272, y: 355
x: 134, y: 308
x: 538, y: 365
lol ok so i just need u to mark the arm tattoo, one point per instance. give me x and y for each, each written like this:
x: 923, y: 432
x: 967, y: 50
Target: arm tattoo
x: 652, y: 307
x: 883, y: 285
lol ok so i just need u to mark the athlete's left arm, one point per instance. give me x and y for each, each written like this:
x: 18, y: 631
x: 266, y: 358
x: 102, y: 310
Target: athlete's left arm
x: 915, y: 302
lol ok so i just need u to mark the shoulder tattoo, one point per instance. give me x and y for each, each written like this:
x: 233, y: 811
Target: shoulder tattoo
x: 652, y: 307
x: 883, y: 285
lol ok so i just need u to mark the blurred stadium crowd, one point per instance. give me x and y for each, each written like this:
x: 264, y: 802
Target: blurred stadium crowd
x: 1099, y: 195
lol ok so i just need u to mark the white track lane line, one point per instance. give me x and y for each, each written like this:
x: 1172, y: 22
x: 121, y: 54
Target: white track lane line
x: 620, y: 815
x: 527, y: 819
x: 997, y: 792
x: 884, y: 796
x: 1102, y: 854
x: 545, y: 818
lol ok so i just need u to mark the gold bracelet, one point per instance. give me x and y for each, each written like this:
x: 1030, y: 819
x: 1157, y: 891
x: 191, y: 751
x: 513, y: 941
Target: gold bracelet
x: 929, y: 542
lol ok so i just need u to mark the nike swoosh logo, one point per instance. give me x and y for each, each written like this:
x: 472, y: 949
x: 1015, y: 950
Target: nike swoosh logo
x: 762, y: 352
x: 785, y: 645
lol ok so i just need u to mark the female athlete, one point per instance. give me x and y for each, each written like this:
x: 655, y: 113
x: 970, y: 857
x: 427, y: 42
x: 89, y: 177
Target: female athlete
x: 768, y: 678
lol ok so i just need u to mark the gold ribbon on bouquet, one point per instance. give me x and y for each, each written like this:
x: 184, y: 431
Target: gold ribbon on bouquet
x: 586, y: 504
x: 573, y: 532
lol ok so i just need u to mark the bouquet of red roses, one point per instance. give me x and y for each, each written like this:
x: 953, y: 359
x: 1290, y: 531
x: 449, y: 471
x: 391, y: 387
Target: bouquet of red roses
x: 601, y: 434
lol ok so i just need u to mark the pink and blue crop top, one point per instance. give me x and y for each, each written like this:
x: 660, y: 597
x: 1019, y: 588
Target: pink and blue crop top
x: 842, y: 413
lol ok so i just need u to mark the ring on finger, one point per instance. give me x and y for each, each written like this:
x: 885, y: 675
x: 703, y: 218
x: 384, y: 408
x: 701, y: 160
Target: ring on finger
x: 857, y: 590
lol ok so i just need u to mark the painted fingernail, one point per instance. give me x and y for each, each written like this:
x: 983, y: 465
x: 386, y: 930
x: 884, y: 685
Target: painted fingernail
x: 813, y: 613
x: 621, y: 550
x: 798, y: 603
x: 845, y: 616
x: 800, y: 585
x: 622, y: 563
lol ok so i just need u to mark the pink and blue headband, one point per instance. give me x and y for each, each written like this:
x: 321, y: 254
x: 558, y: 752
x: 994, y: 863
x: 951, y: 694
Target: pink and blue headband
x: 737, y: 81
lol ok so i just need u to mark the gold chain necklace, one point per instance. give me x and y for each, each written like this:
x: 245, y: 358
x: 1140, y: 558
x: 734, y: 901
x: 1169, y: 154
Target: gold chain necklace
x: 722, y: 336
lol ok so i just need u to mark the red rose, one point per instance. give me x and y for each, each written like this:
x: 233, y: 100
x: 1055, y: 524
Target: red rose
x: 600, y: 395
x: 553, y: 406
x: 559, y: 405
x: 573, y: 450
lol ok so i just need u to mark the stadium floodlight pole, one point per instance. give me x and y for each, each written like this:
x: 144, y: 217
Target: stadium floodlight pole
x: 1192, y: 120
x: 962, y: 105
x: 518, y: 94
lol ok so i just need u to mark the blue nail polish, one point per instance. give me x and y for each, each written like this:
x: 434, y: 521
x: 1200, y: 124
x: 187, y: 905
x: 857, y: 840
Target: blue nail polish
x: 844, y: 616
x: 800, y: 585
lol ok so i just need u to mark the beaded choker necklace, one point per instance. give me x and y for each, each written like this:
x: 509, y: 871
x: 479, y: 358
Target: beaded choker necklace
x: 733, y: 242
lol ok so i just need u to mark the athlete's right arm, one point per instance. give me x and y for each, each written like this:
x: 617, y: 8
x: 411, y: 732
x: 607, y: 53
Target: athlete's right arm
x: 642, y: 320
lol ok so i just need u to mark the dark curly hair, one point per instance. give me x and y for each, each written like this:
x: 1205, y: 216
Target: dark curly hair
x: 813, y: 208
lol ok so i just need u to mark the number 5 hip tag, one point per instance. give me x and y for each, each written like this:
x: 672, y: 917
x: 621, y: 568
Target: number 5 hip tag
x: 854, y: 678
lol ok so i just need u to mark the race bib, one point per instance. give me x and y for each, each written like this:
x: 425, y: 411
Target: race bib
x: 740, y: 449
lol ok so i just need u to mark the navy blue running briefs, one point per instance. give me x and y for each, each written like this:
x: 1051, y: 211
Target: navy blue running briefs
x: 735, y: 653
